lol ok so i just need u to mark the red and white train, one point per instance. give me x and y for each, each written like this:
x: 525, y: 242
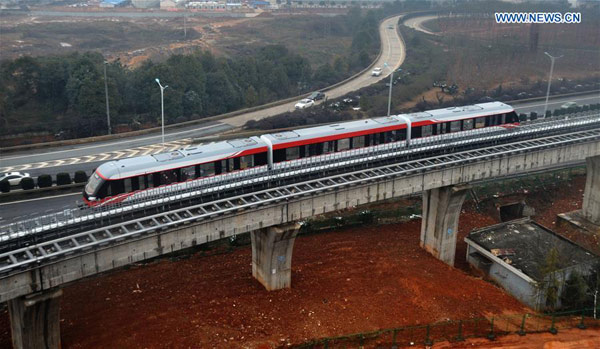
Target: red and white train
x: 122, y: 180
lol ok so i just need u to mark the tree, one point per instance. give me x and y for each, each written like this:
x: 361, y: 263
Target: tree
x: 548, y: 285
x: 574, y: 292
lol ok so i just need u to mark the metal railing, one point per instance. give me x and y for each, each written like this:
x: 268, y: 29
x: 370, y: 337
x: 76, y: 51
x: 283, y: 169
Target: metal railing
x: 231, y: 182
x: 459, y: 330
x: 51, y: 247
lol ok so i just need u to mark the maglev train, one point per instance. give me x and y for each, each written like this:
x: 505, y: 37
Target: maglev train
x: 119, y: 180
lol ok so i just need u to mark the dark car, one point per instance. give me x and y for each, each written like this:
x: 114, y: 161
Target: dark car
x: 315, y: 96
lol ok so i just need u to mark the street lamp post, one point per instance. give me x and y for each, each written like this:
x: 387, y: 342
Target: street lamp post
x: 390, y: 92
x: 549, y: 80
x: 106, y: 93
x: 162, y: 108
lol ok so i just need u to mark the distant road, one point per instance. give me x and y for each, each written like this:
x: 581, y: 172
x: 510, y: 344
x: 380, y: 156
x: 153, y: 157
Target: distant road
x: 88, y: 156
x: 417, y: 24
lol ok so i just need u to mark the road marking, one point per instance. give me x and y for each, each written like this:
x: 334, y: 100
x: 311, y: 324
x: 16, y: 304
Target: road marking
x: 36, y: 199
x: 112, y: 155
x: 116, y: 143
x: 551, y: 102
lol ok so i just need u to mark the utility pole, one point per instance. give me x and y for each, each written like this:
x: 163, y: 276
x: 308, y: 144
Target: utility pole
x: 162, y: 109
x: 106, y: 93
x: 549, y: 80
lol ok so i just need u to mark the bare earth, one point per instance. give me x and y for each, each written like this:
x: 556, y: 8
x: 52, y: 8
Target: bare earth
x: 347, y: 281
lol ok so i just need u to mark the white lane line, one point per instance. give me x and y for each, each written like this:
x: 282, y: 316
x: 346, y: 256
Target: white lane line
x: 36, y: 199
x: 113, y: 143
x: 551, y: 102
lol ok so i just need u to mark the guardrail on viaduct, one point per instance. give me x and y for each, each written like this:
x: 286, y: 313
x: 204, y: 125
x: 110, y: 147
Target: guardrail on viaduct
x: 32, y: 275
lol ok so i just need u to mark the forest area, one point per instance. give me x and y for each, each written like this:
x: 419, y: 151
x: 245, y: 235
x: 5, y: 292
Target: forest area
x: 67, y: 93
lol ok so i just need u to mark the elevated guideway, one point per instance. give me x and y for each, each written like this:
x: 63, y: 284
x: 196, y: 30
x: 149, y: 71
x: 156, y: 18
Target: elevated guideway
x: 442, y: 169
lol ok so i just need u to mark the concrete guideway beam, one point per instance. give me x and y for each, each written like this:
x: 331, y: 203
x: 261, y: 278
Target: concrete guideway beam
x: 439, y: 227
x: 591, y: 197
x: 35, y: 320
x: 272, y: 255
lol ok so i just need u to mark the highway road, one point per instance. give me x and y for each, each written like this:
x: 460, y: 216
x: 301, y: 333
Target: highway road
x: 88, y: 156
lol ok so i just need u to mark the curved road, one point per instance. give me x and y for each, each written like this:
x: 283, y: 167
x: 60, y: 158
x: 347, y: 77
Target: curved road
x: 88, y: 156
x: 416, y: 23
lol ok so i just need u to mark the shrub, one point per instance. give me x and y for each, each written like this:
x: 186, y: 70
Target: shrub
x: 548, y: 113
x: 4, y: 186
x: 27, y: 183
x: 80, y: 177
x: 533, y: 116
x: 586, y: 107
x: 522, y: 117
x: 44, y: 181
x: 63, y: 179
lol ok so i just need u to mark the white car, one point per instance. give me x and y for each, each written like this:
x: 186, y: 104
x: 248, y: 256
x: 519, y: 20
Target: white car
x: 304, y: 103
x: 14, y: 178
x: 376, y: 72
x: 568, y: 105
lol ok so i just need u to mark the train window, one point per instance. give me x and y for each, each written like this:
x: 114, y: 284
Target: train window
x: 127, y: 184
x: 502, y: 119
x: 116, y: 187
x: 154, y: 179
x: 328, y: 147
x: 467, y: 124
x: 426, y: 131
x: 234, y: 164
x: 480, y: 122
x: 278, y: 155
x: 135, y: 184
x: 313, y: 149
x: 142, y: 182
x: 246, y: 161
x: 390, y: 136
x: 444, y: 128
x: 168, y: 177
x: 188, y: 173
x: 292, y: 153
x: 455, y: 126
x: 358, y: 142
x: 207, y: 169
x: 260, y: 159
x: 343, y: 144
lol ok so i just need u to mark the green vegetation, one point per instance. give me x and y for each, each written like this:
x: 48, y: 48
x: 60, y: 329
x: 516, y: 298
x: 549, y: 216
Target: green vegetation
x: 44, y: 181
x: 63, y: 178
x: 67, y: 92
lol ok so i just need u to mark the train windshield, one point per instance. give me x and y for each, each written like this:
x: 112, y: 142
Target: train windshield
x: 92, y: 184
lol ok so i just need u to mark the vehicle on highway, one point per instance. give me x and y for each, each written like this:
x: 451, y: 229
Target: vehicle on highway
x: 304, y: 103
x: 317, y: 95
x: 376, y: 72
x: 14, y: 178
x: 568, y: 105
x: 132, y: 178
x: 391, y: 26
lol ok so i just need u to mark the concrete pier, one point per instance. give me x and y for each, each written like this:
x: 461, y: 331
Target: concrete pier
x: 439, y: 227
x: 272, y: 255
x: 591, y: 197
x: 35, y: 320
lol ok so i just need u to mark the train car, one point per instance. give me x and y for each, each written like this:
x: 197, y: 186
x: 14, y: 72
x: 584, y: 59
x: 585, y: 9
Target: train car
x: 115, y: 181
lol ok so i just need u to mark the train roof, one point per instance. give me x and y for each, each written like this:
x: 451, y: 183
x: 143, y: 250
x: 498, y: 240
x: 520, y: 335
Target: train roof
x: 140, y: 165
x: 445, y: 114
x: 462, y: 112
x: 332, y: 130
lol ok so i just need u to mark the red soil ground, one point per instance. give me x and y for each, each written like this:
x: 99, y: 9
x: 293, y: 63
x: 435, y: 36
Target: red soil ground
x: 346, y: 281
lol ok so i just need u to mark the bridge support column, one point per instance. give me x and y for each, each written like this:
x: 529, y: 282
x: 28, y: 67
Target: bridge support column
x: 591, y: 197
x: 439, y: 227
x: 272, y: 255
x: 35, y: 320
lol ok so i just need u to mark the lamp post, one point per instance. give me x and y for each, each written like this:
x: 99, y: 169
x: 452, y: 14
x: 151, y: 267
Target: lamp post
x: 162, y: 108
x: 106, y: 93
x: 549, y: 80
x: 390, y: 92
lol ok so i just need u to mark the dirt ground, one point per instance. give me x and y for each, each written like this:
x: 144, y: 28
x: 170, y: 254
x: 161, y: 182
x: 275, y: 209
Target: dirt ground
x: 347, y: 281
x: 569, y: 339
